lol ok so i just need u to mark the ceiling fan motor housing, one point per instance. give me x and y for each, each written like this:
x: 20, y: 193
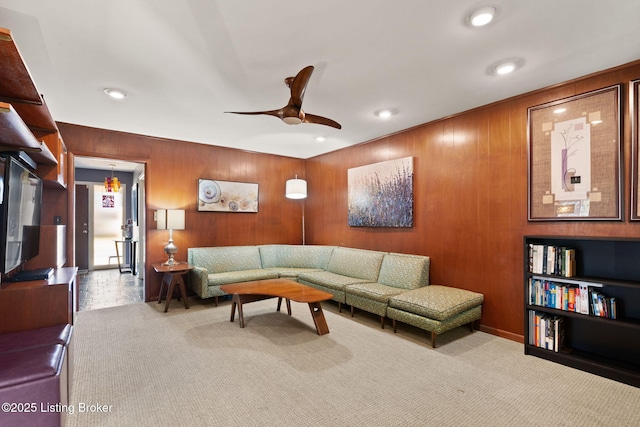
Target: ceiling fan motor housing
x: 292, y: 120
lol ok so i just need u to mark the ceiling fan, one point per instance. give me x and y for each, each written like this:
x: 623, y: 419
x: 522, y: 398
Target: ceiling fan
x: 292, y: 113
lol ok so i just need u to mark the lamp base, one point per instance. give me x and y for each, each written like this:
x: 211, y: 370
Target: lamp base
x: 170, y: 262
x: 170, y: 250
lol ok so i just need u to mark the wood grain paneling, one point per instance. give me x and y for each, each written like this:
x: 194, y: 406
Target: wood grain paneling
x: 171, y: 179
x: 470, y: 184
x: 470, y: 211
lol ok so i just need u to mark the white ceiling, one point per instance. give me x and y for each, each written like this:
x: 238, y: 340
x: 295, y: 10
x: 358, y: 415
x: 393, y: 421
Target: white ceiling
x: 184, y: 63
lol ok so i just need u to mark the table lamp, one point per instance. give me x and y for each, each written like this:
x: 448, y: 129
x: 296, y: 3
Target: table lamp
x: 170, y: 219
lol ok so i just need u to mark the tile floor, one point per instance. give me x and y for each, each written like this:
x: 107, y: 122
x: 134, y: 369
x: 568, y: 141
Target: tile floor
x: 108, y: 288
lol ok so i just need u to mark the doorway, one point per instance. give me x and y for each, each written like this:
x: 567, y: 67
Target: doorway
x: 100, y: 223
x: 103, y: 218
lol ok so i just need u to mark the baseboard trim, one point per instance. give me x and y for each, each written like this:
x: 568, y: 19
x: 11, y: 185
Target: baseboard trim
x: 503, y: 334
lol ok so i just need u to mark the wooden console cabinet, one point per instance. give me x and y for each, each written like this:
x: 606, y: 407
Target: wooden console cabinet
x: 38, y: 303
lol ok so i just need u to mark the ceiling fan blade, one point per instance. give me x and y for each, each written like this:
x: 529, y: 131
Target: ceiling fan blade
x: 311, y: 118
x: 299, y: 85
x: 276, y: 113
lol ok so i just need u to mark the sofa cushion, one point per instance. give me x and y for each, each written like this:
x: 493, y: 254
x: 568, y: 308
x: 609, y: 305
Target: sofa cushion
x: 404, y: 271
x: 295, y: 256
x: 329, y: 280
x: 218, y: 279
x: 373, y: 291
x: 356, y: 263
x: 225, y: 258
x: 436, y: 301
x: 291, y: 272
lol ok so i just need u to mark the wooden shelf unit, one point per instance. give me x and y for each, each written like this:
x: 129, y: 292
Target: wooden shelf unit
x: 38, y: 303
x: 602, y: 346
x: 25, y: 121
x: 19, y: 85
x: 15, y: 135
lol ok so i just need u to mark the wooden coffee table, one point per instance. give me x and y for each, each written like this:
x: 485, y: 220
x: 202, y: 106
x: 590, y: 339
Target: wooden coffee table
x: 258, y: 290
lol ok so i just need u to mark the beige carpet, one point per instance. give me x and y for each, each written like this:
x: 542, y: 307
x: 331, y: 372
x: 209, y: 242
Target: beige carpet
x: 195, y: 368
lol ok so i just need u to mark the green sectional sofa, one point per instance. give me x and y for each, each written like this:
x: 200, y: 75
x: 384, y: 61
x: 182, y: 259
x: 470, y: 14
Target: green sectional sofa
x: 398, y: 273
x: 290, y: 261
x: 346, y: 267
x: 364, y: 279
x: 216, y: 266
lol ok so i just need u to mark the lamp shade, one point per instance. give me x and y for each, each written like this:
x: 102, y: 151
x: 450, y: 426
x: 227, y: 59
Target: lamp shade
x: 161, y: 219
x: 175, y: 219
x: 170, y: 219
x: 296, y: 188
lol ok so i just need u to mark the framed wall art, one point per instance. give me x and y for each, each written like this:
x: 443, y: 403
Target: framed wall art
x: 227, y: 196
x: 381, y: 194
x: 574, y: 150
x: 635, y: 155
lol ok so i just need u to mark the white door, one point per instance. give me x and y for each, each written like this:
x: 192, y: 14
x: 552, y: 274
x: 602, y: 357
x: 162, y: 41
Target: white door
x: 108, y: 210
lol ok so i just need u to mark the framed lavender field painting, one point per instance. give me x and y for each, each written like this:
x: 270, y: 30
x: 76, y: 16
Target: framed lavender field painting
x: 381, y: 194
x: 575, y: 149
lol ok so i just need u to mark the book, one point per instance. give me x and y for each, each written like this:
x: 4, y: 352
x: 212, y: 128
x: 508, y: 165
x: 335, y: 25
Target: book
x: 551, y: 260
x: 569, y: 263
x: 614, y: 308
x: 571, y: 299
x: 584, y: 298
x: 559, y: 333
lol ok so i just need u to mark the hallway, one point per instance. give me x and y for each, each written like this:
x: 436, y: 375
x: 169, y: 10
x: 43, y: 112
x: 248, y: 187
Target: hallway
x: 108, y: 288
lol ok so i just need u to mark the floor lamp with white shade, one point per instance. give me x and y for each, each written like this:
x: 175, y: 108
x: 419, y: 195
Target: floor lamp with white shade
x: 297, y: 189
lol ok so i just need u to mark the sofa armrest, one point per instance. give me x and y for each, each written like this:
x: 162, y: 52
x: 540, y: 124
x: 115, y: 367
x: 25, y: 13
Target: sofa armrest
x: 199, y: 280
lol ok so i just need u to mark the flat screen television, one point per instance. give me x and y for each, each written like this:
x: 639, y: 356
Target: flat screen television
x: 21, y: 199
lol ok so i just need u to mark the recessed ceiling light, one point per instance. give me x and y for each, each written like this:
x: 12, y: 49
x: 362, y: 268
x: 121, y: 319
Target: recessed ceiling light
x: 386, y: 113
x: 115, y: 93
x: 506, y: 66
x: 482, y: 16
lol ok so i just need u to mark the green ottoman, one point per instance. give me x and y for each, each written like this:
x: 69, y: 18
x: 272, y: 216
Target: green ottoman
x: 436, y: 308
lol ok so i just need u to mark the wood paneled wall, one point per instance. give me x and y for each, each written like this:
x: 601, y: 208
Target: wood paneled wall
x: 470, y: 207
x: 171, y: 178
x: 470, y: 185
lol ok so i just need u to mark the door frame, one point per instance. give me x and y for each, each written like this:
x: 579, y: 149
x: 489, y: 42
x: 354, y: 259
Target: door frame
x: 142, y: 206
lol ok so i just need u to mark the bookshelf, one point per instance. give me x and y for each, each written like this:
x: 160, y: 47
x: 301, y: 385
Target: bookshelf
x: 602, y: 337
